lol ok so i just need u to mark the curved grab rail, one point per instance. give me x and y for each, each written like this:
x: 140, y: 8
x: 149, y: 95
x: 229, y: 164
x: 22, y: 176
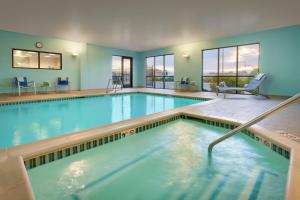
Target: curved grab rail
x: 114, y: 85
x: 108, y: 82
x: 262, y: 116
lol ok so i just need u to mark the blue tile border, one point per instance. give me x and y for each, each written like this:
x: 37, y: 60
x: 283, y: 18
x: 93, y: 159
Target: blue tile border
x: 275, y: 147
x: 91, y: 96
x: 96, y: 142
x: 99, y: 141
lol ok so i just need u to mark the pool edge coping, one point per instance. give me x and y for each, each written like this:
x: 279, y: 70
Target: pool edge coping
x: 21, y: 189
x: 78, y: 96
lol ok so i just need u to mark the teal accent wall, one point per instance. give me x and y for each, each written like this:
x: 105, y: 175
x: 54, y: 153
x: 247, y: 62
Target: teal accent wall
x: 9, y: 40
x: 97, y: 68
x: 279, y: 57
x: 90, y: 70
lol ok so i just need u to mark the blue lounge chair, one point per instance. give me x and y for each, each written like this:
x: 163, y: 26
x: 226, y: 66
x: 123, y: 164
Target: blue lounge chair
x: 61, y: 83
x: 251, y: 87
x: 21, y: 82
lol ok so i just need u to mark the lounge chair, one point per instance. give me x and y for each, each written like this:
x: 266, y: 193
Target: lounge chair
x: 21, y: 82
x: 251, y: 87
x: 61, y: 83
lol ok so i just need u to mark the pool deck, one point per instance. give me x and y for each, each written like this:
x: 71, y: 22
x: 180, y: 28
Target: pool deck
x: 235, y: 108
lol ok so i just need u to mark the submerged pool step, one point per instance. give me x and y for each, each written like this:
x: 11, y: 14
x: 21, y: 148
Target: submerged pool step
x: 253, y: 186
x: 222, y: 183
x: 214, y: 188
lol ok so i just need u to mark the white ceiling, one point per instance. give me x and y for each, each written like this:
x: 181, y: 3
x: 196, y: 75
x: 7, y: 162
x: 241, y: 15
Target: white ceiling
x: 145, y: 24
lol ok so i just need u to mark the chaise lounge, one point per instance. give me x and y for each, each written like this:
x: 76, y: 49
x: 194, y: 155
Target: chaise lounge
x: 251, y: 87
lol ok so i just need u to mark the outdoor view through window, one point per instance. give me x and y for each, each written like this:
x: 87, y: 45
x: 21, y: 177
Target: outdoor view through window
x: 235, y: 65
x: 160, y: 71
x: 121, y: 70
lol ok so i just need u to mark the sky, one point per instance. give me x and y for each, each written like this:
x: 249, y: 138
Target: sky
x: 159, y: 61
x: 248, y: 59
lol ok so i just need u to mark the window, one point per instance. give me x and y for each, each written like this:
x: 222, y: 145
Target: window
x: 160, y: 71
x: 25, y: 59
x: 122, y: 70
x: 116, y: 66
x: 36, y: 59
x: 50, y: 60
x: 150, y: 72
x: 235, y: 65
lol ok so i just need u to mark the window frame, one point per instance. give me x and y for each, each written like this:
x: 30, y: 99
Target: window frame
x: 153, y: 71
x: 122, y: 70
x: 39, y: 59
x: 237, y: 76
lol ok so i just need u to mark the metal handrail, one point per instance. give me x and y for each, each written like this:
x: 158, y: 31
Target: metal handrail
x: 114, y: 86
x: 121, y: 83
x: 262, y: 116
x: 108, y: 82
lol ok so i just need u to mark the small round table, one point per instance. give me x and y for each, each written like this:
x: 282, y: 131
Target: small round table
x: 45, y: 85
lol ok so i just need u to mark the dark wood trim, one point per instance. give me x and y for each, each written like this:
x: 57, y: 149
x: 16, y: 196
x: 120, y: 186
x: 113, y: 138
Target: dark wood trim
x: 154, y: 76
x: 218, y: 79
x: 228, y: 76
x: 168, y: 54
x: 222, y: 47
x: 153, y: 72
x: 237, y: 67
x: 122, y: 69
x: 131, y: 68
x: 39, y: 59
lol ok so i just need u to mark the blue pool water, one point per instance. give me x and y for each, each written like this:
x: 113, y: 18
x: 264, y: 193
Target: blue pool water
x: 25, y: 123
x: 167, y: 162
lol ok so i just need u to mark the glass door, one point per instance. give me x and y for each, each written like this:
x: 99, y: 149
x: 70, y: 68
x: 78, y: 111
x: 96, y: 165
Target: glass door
x: 160, y: 72
x: 122, y: 70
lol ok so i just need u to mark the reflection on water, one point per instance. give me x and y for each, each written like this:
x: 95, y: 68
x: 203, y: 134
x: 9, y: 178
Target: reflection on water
x: 71, y: 176
x: 16, y: 138
x: 55, y: 124
x: 26, y: 123
x: 39, y: 132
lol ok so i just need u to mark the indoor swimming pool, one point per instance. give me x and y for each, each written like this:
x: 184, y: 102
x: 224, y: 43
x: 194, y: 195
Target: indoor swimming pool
x: 29, y: 122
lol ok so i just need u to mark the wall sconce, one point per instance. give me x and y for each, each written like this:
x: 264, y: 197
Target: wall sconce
x: 75, y: 54
x: 186, y: 56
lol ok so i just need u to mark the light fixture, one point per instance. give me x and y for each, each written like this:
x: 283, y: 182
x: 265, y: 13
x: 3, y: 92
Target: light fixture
x: 75, y: 54
x: 186, y: 56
